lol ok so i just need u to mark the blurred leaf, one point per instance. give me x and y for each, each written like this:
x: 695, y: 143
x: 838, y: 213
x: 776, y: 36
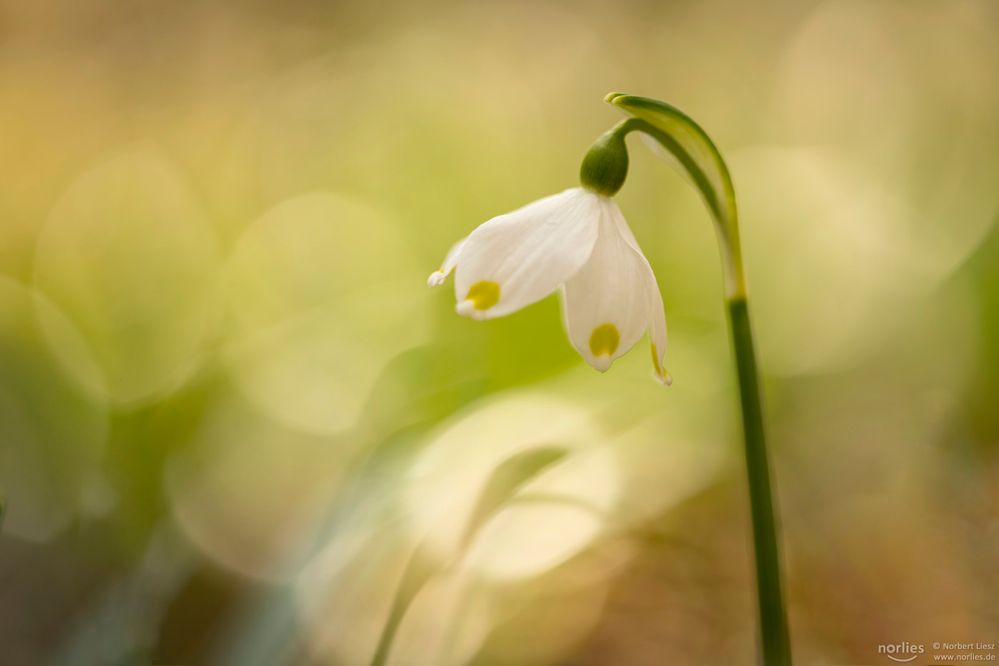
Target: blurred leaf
x: 511, y: 475
x: 502, y: 485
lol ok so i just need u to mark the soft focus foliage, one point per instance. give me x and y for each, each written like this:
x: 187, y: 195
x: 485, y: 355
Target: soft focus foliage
x: 236, y: 427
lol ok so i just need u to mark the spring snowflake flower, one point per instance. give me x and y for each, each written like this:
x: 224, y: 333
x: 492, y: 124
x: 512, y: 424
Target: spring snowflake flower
x: 579, y: 243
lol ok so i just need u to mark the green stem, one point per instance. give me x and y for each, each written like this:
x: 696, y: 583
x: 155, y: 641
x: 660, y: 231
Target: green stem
x: 775, y: 643
x: 694, y: 151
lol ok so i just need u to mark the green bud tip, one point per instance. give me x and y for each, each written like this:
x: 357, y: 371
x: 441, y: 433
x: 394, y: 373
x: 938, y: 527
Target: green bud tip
x: 605, y: 165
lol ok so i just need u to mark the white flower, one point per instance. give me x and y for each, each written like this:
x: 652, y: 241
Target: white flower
x: 578, y: 241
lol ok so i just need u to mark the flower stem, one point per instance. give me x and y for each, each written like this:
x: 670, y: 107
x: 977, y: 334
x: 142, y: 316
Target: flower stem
x: 774, y: 639
x: 689, y: 147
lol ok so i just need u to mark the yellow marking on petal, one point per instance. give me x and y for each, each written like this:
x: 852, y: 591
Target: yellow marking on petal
x: 484, y: 294
x: 604, y: 340
x: 660, y: 370
x: 661, y: 373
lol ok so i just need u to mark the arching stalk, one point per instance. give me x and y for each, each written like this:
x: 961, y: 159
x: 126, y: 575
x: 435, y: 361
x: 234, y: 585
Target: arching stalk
x: 684, y: 142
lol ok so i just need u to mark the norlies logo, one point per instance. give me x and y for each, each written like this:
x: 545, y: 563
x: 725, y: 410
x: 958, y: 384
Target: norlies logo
x: 902, y: 652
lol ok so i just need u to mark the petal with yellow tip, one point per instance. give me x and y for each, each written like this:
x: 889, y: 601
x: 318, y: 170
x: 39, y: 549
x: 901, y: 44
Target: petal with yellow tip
x: 519, y: 258
x: 614, y: 298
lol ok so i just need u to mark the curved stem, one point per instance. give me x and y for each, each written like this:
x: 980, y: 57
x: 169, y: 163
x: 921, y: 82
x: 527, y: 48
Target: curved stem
x: 727, y: 228
x: 775, y: 645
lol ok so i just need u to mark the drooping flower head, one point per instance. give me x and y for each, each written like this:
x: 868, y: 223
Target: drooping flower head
x: 579, y: 243
x: 576, y: 242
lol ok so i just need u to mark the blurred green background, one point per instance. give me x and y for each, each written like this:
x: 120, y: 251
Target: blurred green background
x: 231, y: 412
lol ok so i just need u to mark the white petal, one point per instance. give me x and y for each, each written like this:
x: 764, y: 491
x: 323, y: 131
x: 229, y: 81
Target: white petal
x: 516, y: 259
x: 437, y: 277
x: 614, y: 297
x: 657, y: 315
